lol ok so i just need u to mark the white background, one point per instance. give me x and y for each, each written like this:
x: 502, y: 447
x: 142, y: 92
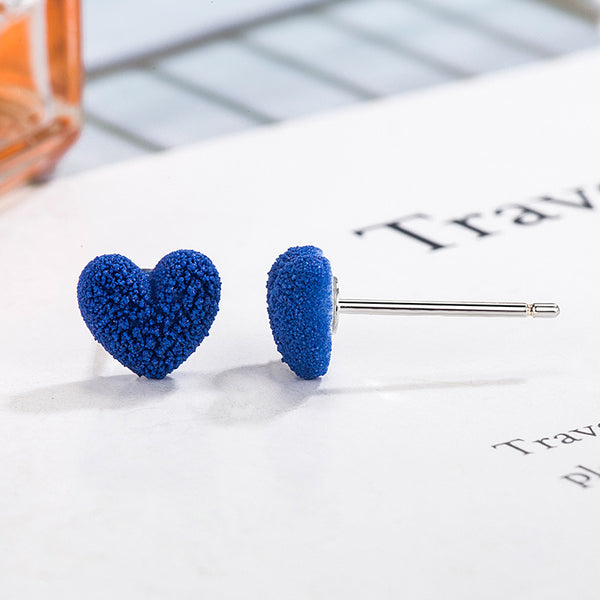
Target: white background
x: 231, y: 478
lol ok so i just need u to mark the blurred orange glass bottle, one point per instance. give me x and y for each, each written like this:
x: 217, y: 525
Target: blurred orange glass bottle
x: 40, y: 86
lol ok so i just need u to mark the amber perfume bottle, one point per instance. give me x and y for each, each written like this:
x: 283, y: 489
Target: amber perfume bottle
x: 40, y: 86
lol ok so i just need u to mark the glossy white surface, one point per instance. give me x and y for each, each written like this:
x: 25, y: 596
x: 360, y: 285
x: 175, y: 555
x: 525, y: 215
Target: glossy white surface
x: 231, y: 478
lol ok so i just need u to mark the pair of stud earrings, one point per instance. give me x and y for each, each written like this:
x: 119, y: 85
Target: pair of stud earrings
x: 152, y: 320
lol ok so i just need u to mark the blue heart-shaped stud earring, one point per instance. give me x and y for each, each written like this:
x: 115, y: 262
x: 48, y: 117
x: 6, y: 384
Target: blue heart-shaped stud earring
x: 300, y: 301
x: 304, y: 307
x: 150, y: 321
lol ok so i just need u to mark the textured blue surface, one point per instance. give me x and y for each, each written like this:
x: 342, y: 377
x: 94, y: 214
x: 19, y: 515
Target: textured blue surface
x: 300, y: 305
x: 150, y: 322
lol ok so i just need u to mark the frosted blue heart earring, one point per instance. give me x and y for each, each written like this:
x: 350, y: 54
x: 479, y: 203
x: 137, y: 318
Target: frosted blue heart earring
x: 304, y: 306
x: 151, y: 321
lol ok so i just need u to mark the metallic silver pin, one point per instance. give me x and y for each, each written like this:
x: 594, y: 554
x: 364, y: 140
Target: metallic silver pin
x: 444, y: 309
x: 304, y: 310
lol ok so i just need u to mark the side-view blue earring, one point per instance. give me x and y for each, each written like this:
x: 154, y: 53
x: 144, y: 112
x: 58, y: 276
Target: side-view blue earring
x: 300, y: 306
x: 151, y: 321
x: 304, y: 306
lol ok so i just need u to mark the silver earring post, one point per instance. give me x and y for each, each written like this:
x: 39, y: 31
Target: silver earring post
x: 443, y: 309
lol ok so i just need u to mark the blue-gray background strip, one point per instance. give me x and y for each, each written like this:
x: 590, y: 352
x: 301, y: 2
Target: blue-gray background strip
x: 159, y: 77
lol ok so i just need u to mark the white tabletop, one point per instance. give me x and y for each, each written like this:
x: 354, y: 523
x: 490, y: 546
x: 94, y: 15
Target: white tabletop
x: 232, y: 478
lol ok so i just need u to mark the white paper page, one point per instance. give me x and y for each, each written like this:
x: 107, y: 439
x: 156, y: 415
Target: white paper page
x: 233, y: 478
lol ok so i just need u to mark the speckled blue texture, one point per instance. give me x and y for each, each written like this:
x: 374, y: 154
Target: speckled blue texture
x: 150, y: 322
x: 300, y: 305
